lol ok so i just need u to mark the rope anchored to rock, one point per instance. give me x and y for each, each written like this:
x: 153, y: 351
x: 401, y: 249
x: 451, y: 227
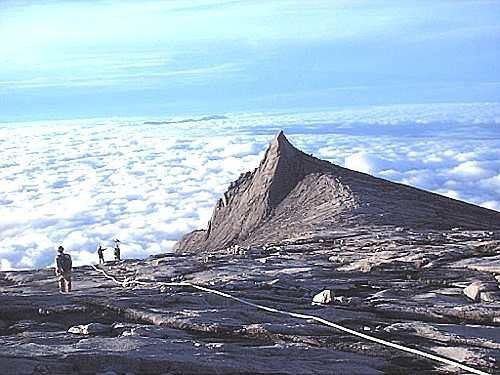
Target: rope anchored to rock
x: 127, y: 283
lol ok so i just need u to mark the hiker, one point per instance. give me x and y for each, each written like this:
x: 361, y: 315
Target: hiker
x: 100, y: 252
x: 117, y: 250
x: 63, y: 270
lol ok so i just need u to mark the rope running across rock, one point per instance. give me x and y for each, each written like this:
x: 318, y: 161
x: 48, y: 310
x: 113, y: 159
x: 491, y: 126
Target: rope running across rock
x: 127, y: 283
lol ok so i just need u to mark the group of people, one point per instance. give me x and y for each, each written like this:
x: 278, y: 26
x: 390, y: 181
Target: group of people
x: 64, y: 265
x: 117, y: 252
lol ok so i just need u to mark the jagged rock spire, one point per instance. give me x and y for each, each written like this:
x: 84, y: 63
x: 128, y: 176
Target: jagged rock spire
x: 291, y: 193
x: 252, y: 198
x: 280, y: 147
x: 282, y: 167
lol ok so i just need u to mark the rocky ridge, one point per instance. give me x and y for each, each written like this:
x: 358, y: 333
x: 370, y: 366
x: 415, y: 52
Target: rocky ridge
x: 291, y: 193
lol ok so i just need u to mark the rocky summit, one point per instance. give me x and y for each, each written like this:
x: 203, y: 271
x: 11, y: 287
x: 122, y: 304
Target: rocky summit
x: 292, y: 193
x: 299, y: 235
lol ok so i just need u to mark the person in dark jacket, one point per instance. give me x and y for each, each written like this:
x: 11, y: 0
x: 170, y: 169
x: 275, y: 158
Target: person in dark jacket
x: 117, y: 250
x: 100, y: 252
x: 64, y: 266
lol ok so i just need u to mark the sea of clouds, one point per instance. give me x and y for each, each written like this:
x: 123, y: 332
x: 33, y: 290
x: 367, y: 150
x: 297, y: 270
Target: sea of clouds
x: 82, y: 183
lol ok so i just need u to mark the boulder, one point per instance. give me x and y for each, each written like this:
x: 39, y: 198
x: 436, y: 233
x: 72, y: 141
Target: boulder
x: 336, y: 259
x: 90, y: 329
x: 148, y: 331
x: 341, y: 300
x: 489, y: 296
x: 475, y: 291
x: 323, y: 298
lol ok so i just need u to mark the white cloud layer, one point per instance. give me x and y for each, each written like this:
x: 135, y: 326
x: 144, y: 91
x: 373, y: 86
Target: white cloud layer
x: 84, y: 182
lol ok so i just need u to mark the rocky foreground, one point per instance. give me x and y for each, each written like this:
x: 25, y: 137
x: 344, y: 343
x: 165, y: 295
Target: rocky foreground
x: 297, y: 234
x: 408, y: 287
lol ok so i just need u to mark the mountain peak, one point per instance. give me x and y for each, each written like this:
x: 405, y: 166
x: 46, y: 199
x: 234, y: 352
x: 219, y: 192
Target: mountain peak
x: 280, y: 147
x: 292, y: 193
x: 281, y: 140
x: 282, y: 167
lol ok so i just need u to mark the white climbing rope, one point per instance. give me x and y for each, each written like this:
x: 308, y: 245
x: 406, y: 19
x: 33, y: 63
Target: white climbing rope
x: 304, y: 316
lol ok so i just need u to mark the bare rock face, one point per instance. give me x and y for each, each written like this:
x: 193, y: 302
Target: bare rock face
x: 251, y: 200
x: 291, y: 194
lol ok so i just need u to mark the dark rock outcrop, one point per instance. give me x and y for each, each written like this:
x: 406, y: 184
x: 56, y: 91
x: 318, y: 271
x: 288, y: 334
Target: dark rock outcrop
x: 291, y: 194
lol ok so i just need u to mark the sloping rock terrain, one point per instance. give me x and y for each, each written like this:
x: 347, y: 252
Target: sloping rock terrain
x: 384, y: 259
x: 291, y: 193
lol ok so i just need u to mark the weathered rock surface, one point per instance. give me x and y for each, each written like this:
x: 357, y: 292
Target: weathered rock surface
x: 391, y: 254
x: 291, y: 193
x: 153, y: 330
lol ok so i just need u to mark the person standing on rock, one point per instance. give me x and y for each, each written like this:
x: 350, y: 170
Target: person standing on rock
x: 64, y: 267
x: 117, y: 250
x: 100, y: 252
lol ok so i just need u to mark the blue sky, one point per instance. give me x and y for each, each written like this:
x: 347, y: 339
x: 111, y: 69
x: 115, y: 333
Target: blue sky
x: 66, y: 59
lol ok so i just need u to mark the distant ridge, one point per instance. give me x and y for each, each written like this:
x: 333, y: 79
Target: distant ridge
x: 291, y: 193
x: 205, y: 118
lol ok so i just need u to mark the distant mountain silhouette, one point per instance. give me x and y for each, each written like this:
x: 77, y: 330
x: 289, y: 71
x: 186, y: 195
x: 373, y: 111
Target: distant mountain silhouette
x: 199, y: 119
x: 292, y: 193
